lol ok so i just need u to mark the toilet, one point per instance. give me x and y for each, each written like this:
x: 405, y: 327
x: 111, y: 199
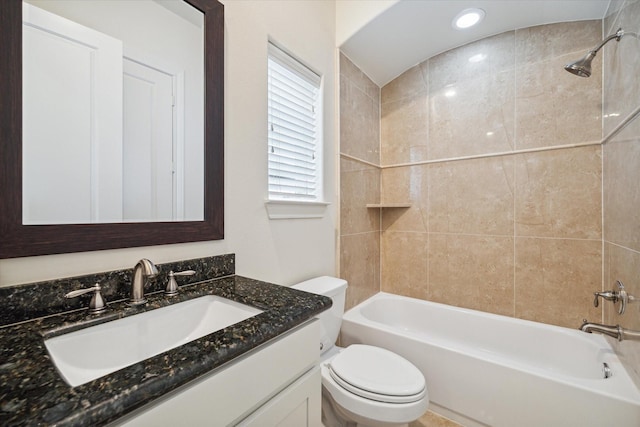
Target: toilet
x: 362, y: 385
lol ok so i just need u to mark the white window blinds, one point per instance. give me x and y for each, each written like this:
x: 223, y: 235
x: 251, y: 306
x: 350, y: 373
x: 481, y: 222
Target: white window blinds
x: 294, y: 129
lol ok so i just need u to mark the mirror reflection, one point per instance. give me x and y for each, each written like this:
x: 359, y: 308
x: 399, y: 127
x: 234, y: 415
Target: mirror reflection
x: 113, y: 101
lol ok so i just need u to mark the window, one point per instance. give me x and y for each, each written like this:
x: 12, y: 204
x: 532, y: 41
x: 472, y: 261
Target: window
x: 295, y: 130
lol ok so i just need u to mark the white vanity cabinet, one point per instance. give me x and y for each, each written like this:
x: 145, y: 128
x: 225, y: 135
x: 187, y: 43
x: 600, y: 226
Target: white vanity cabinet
x: 276, y: 384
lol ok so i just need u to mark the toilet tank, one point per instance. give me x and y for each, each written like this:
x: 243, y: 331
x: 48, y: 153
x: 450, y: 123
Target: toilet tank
x: 330, y: 320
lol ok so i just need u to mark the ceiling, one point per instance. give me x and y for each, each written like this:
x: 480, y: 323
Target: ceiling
x: 411, y: 31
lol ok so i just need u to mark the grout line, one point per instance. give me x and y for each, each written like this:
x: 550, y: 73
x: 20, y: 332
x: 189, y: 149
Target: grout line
x: 635, y: 113
x: 515, y: 167
x: 488, y: 155
x: 602, y: 102
x: 505, y: 236
x: 360, y: 233
x: 497, y: 154
x: 380, y: 213
x: 347, y: 156
x: 623, y: 247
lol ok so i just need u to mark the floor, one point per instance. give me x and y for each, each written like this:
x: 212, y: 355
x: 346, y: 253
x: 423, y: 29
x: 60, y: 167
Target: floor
x: 430, y: 419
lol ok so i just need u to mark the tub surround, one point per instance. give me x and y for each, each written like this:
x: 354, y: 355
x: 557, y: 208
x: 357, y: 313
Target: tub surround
x: 33, y: 393
x: 495, y: 197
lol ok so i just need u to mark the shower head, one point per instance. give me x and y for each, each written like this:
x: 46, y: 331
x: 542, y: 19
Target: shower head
x: 582, y: 67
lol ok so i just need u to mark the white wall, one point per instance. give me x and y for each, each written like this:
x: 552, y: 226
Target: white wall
x: 352, y: 15
x: 280, y: 251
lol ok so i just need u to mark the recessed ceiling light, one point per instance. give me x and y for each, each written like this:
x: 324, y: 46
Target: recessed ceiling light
x: 468, y: 18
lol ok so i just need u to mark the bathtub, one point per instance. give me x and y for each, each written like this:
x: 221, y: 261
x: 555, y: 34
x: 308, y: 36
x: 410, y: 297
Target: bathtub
x: 485, y: 369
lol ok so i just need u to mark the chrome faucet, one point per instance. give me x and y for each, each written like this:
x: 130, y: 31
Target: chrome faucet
x: 143, y: 270
x: 620, y: 296
x: 616, y: 332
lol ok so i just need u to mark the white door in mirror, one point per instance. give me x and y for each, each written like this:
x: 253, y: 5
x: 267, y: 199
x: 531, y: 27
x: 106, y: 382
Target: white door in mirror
x: 72, y: 121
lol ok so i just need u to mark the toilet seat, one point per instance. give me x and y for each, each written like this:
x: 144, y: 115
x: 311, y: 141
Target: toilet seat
x: 377, y: 374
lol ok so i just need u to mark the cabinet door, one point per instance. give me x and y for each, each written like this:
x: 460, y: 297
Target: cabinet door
x: 241, y: 387
x: 298, y: 405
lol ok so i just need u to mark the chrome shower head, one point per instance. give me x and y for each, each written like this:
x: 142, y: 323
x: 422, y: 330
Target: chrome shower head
x: 582, y: 67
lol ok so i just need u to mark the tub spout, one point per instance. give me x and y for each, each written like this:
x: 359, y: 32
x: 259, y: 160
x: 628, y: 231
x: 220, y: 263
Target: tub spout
x: 612, y: 331
x: 616, y: 331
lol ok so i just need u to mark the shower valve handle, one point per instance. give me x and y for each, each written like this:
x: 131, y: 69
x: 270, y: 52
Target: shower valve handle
x: 608, y: 295
x: 615, y: 296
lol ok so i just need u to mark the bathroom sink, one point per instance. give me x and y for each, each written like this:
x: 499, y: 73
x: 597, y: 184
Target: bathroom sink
x: 91, y: 353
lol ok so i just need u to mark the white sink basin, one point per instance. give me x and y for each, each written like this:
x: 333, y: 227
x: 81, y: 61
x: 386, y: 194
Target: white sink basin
x: 96, y: 351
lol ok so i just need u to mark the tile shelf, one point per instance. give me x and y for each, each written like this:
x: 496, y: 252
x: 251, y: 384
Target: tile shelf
x: 388, y: 205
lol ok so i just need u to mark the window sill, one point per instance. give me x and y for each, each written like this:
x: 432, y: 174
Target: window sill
x: 288, y: 209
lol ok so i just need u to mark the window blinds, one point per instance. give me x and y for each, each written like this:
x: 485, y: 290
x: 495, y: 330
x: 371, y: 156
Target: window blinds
x: 294, y: 128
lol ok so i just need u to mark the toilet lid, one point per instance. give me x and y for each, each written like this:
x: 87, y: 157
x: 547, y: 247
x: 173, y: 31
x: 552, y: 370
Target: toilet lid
x: 377, y: 374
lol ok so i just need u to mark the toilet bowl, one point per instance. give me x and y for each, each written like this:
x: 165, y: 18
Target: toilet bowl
x: 363, y: 384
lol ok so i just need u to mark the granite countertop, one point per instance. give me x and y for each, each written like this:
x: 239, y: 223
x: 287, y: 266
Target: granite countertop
x: 32, y: 393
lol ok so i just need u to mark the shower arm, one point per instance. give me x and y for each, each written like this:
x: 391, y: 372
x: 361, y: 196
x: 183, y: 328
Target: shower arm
x: 618, y: 35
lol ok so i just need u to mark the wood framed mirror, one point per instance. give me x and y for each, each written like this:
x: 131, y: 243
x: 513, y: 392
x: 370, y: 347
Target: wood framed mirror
x: 19, y: 240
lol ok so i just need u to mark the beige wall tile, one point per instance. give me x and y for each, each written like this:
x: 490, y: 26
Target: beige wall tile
x: 359, y: 123
x: 544, y: 42
x: 611, y: 15
x: 555, y: 280
x: 472, y: 196
x: 405, y: 185
x: 472, y: 271
x: 406, y: 85
x: 472, y: 104
x: 558, y: 193
x: 472, y: 116
x: 359, y: 185
x: 554, y: 107
x: 622, y: 63
x: 349, y: 70
x: 622, y: 193
x: 484, y: 57
x: 404, y: 263
x: 606, y: 312
x: 624, y: 266
x: 360, y: 266
x: 404, y: 129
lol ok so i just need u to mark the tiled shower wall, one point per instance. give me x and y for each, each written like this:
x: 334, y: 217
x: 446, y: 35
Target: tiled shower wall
x: 622, y: 171
x: 517, y: 228
x: 504, y: 217
x: 359, y: 182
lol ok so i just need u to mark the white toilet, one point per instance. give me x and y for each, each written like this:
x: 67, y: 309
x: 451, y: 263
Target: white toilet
x: 362, y: 384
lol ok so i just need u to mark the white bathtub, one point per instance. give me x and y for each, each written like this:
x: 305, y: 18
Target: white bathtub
x: 486, y: 369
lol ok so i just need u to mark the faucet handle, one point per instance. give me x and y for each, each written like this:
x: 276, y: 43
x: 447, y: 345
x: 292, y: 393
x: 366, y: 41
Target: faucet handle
x: 615, y: 296
x: 172, y: 286
x: 608, y: 295
x: 97, y: 304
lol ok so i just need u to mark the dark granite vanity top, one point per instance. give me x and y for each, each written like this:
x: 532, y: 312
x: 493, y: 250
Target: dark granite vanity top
x: 32, y: 393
